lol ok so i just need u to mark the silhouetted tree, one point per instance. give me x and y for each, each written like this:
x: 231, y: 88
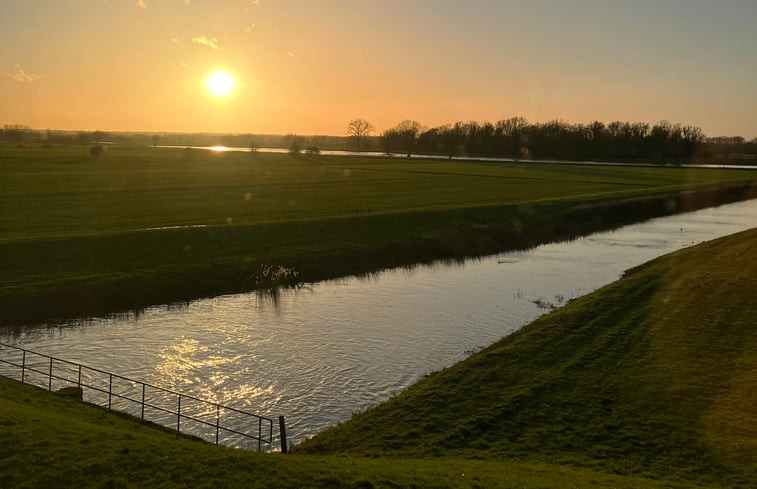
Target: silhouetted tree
x: 403, y: 136
x: 295, y: 144
x: 358, y: 130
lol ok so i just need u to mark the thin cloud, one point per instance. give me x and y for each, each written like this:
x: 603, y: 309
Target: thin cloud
x: 175, y: 40
x: 210, y: 42
x: 290, y: 54
x: 141, y: 4
x: 22, y: 76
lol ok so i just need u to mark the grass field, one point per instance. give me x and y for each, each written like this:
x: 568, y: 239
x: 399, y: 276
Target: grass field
x: 648, y: 382
x: 654, y: 375
x: 83, y: 236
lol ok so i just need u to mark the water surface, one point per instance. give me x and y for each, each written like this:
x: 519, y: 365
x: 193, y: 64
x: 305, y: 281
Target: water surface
x: 493, y: 159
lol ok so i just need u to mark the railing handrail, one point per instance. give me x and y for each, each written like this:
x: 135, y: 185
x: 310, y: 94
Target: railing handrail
x: 128, y: 379
x: 218, y: 407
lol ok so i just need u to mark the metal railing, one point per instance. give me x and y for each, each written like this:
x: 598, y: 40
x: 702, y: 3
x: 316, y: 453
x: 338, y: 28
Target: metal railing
x: 207, y: 419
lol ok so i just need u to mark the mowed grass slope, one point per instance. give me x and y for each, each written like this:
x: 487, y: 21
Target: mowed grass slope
x: 654, y: 375
x: 54, y: 442
x: 83, y: 236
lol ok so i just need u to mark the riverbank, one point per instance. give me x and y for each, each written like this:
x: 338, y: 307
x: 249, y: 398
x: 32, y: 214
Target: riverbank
x: 648, y: 382
x: 653, y: 375
x: 88, y: 237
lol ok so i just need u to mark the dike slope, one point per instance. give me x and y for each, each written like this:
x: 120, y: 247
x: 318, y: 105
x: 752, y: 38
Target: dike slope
x: 653, y: 375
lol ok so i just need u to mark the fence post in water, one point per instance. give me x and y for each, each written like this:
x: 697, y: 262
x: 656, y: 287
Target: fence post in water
x: 143, y: 402
x: 283, y: 431
x: 78, y: 382
x: 110, y: 388
x: 50, y: 379
x: 218, y: 420
x: 23, y: 366
x: 178, y: 416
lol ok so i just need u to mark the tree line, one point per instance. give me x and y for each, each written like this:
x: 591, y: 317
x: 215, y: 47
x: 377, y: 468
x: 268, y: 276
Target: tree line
x: 517, y: 138
x: 514, y: 138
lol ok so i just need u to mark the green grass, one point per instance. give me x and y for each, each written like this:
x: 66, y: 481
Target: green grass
x: 654, y: 375
x: 64, y: 192
x: 50, y: 441
x: 79, y: 236
x: 648, y: 382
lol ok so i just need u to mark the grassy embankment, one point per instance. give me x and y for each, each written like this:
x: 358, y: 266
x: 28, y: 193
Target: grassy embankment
x: 654, y: 375
x: 53, y: 442
x: 78, y: 235
x: 648, y: 382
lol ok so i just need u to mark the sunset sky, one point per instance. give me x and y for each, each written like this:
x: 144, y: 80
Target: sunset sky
x: 308, y: 67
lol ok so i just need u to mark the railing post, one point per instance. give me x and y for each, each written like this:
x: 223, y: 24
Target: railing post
x: 110, y: 388
x: 178, y: 416
x: 143, y: 402
x: 78, y: 382
x: 218, y: 420
x: 23, y: 365
x: 283, y: 431
x: 260, y: 432
x: 50, y: 377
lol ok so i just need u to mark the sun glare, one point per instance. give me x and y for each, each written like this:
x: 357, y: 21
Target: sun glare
x: 220, y: 83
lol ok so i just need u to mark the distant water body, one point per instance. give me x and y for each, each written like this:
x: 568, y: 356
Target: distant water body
x: 327, y: 152
x: 333, y: 348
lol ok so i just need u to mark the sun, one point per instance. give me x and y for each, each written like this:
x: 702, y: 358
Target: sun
x: 220, y: 83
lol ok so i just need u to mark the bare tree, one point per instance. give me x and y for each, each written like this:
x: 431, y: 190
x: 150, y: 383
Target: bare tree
x: 408, y: 132
x: 359, y: 129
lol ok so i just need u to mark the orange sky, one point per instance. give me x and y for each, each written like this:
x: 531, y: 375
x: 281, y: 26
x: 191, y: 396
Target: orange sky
x: 309, y: 67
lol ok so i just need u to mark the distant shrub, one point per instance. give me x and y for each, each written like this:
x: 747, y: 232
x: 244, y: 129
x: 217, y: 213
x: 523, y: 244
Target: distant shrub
x: 270, y: 277
x: 96, y: 150
x: 296, y: 143
x: 269, y: 280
